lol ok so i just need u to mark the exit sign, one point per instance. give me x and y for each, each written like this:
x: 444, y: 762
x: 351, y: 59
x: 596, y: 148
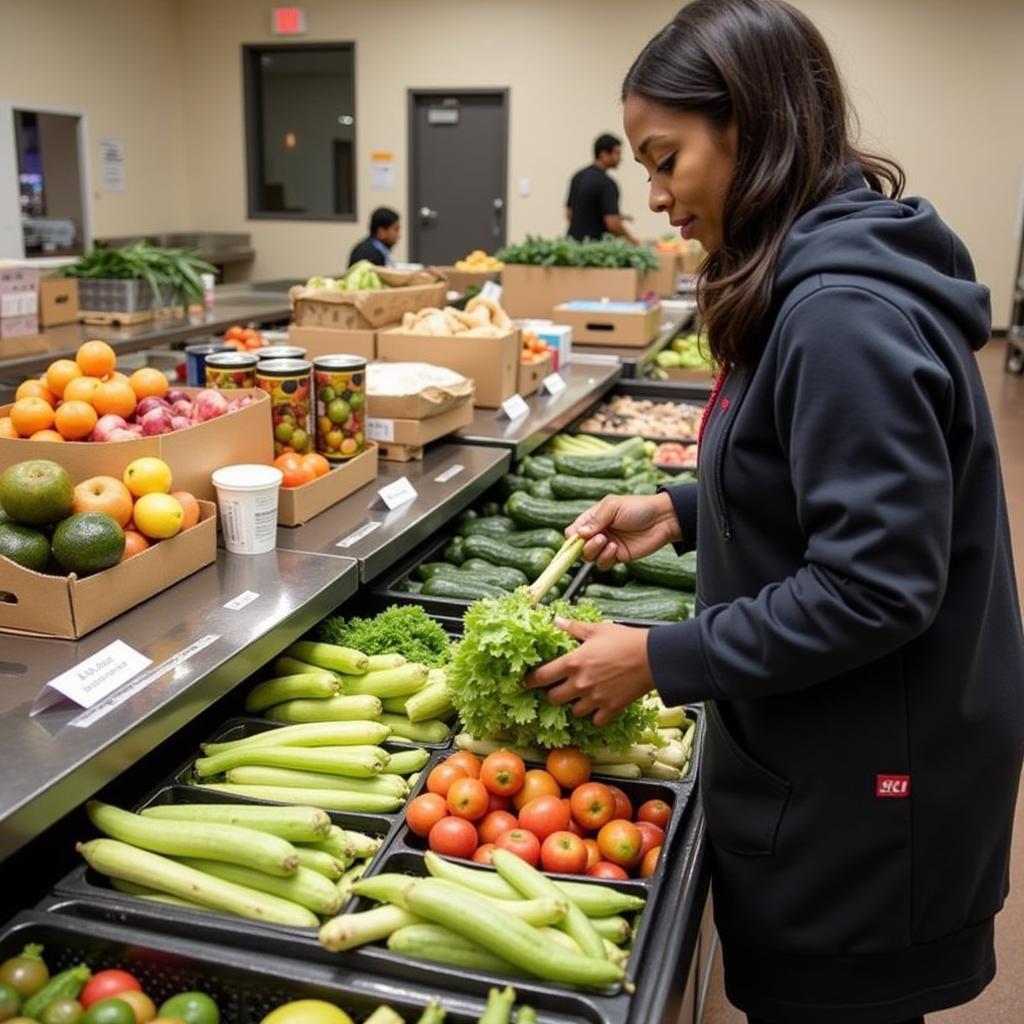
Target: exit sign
x: 288, y: 21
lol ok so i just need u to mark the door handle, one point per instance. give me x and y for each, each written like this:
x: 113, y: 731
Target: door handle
x: 499, y: 205
x: 427, y: 215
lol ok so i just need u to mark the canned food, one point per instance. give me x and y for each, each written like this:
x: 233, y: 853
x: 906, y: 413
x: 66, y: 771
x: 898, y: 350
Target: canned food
x: 231, y: 370
x: 195, y: 362
x: 269, y: 352
x: 340, y: 386
x: 286, y: 381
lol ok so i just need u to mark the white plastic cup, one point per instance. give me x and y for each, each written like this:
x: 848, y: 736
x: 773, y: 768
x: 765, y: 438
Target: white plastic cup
x: 247, y: 500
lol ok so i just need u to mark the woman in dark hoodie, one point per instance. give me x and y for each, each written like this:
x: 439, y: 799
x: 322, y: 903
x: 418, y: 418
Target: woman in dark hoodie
x: 858, y: 646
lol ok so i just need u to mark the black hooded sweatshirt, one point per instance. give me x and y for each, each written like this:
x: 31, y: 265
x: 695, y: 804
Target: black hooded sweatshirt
x: 859, y: 644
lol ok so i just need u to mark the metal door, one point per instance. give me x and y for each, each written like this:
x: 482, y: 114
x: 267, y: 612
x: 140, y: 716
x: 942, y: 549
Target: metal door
x: 458, y: 160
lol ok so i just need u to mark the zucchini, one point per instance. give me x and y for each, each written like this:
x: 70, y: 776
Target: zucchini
x: 529, y: 511
x: 541, y: 489
x: 329, y: 656
x: 511, y: 578
x: 454, y: 551
x: 592, y: 487
x: 537, y: 467
x: 281, y: 688
x: 656, y: 609
x: 542, y: 537
x: 666, y: 569
x: 493, y: 526
x: 467, y: 590
x: 605, y: 466
x: 532, y: 561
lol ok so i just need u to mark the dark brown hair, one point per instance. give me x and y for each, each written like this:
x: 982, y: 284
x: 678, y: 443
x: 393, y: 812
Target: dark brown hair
x: 763, y: 63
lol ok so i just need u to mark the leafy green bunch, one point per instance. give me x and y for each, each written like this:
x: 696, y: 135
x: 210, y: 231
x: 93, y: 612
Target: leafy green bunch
x: 609, y: 253
x: 400, y: 629
x: 503, y: 639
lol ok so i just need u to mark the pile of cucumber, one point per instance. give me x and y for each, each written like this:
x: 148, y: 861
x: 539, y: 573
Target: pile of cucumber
x: 658, y: 588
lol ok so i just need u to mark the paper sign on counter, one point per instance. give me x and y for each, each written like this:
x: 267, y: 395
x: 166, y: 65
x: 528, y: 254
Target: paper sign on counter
x: 246, y: 597
x: 553, y: 384
x: 380, y: 430
x: 449, y: 474
x: 515, y: 408
x: 357, y: 535
x: 94, y: 678
x: 399, y: 492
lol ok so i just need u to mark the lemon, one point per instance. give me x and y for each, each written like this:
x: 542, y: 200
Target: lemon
x: 307, y: 1011
x: 148, y: 475
x: 158, y: 516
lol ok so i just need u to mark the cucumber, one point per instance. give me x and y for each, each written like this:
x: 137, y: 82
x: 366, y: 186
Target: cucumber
x: 541, y: 537
x: 503, y: 575
x: 427, y: 569
x: 642, y: 486
x: 655, y: 609
x: 631, y: 592
x: 493, y: 526
x: 329, y: 656
x: 541, y: 489
x: 454, y: 551
x: 604, y: 466
x: 464, y: 590
x: 666, y: 569
x: 618, y: 574
x: 634, y: 447
x: 410, y: 586
x: 592, y: 487
x: 537, y: 467
x: 532, y: 561
x: 528, y: 511
x: 510, y: 483
x: 490, y: 508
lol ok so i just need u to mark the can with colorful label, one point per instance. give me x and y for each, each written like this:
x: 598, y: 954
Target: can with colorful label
x: 195, y: 362
x: 286, y: 381
x: 339, y: 383
x: 228, y: 371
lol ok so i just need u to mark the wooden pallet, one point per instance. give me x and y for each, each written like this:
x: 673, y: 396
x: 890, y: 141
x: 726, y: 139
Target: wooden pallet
x: 390, y: 452
x: 112, y: 319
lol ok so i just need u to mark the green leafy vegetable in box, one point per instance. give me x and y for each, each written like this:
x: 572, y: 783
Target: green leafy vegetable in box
x: 503, y: 639
x: 608, y: 253
x: 400, y: 629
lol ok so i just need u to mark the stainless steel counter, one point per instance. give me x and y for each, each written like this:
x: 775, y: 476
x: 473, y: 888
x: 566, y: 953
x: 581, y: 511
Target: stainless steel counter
x: 448, y: 479
x: 585, y: 383
x: 55, y: 760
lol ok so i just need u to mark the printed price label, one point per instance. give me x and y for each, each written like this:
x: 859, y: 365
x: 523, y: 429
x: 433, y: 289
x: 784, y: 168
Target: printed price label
x: 491, y: 291
x: 515, y: 408
x: 449, y: 474
x: 93, y: 679
x: 380, y: 430
x: 246, y: 597
x: 398, y: 493
x: 553, y: 384
x: 356, y: 536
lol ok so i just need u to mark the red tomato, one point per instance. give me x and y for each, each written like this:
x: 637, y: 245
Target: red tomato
x: 523, y: 844
x: 563, y: 852
x: 494, y: 824
x: 106, y: 985
x: 536, y: 782
x: 605, y: 869
x: 468, y: 762
x: 425, y: 812
x: 453, y: 837
x: 498, y: 803
x: 439, y: 781
x: 620, y: 841
x: 650, y: 862
x: 569, y: 766
x: 503, y: 772
x: 575, y: 827
x: 545, y: 815
x: 657, y: 812
x: 593, y: 805
x: 485, y: 854
x: 593, y: 853
x: 652, y: 836
x: 623, y: 805
x: 467, y: 798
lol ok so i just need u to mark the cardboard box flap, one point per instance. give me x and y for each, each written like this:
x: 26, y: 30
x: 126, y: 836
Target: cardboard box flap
x: 434, y: 385
x: 354, y: 309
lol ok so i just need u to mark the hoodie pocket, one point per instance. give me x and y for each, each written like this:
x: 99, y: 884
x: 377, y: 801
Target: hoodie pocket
x: 743, y: 801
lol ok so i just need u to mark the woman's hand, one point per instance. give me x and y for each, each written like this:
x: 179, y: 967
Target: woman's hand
x: 608, y: 671
x: 622, y: 529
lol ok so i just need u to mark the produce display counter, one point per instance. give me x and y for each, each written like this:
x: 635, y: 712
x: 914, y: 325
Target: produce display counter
x: 448, y: 479
x: 203, y: 636
x: 585, y: 382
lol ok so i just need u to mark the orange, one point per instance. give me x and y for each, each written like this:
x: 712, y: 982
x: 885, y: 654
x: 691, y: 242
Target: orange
x: 189, y: 506
x: 134, y: 542
x: 35, y: 389
x: 75, y: 420
x: 116, y: 375
x: 46, y: 435
x: 29, y: 415
x: 317, y: 463
x: 295, y: 473
x: 81, y: 389
x: 60, y: 373
x: 7, y: 427
x: 149, y: 382
x: 114, y: 396
x: 96, y: 358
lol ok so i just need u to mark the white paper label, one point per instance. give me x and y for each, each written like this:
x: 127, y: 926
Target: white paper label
x: 91, y: 680
x: 380, y: 430
x: 117, y: 698
x: 246, y: 597
x: 449, y: 474
x: 515, y: 407
x: 358, y: 535
x: 553, y: 384
x: 112, y: 174
x: 491, y: 291
x: 398, y: 493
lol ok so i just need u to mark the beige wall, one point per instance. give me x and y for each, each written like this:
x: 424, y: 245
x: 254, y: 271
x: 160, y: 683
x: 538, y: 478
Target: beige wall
x: 937, y: 84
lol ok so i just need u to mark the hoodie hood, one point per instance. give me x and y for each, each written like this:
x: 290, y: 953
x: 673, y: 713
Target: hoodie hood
x: 904, y: 242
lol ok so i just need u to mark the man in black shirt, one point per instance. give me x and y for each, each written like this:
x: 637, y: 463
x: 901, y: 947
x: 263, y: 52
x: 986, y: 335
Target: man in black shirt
x: 592, y: 208
x: 385, y: 230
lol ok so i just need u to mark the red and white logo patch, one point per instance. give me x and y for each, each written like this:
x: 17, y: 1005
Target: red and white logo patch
x: 892, y: 787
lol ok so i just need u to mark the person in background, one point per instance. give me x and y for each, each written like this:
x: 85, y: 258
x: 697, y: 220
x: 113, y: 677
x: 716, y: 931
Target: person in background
x: 385, y: 231
x: 592, y: 208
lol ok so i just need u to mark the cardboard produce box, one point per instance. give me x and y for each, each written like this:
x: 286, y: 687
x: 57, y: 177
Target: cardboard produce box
x: 69, y: 607
x: 491, y: 363
x: 460, y: 280
x: 531, y: 374
x: 244, y: 435
x: 611, y: 323
x: 297, y: 505
x: 333, y: 341
x: 418, y: 432
x: 408, y: 292
x: 665, y: 280
x: 58, y: 301
x: 528, y: 291
x: 424, y: 397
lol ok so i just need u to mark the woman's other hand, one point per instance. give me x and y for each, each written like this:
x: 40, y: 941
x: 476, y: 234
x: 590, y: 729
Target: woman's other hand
x: 622, y: 529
